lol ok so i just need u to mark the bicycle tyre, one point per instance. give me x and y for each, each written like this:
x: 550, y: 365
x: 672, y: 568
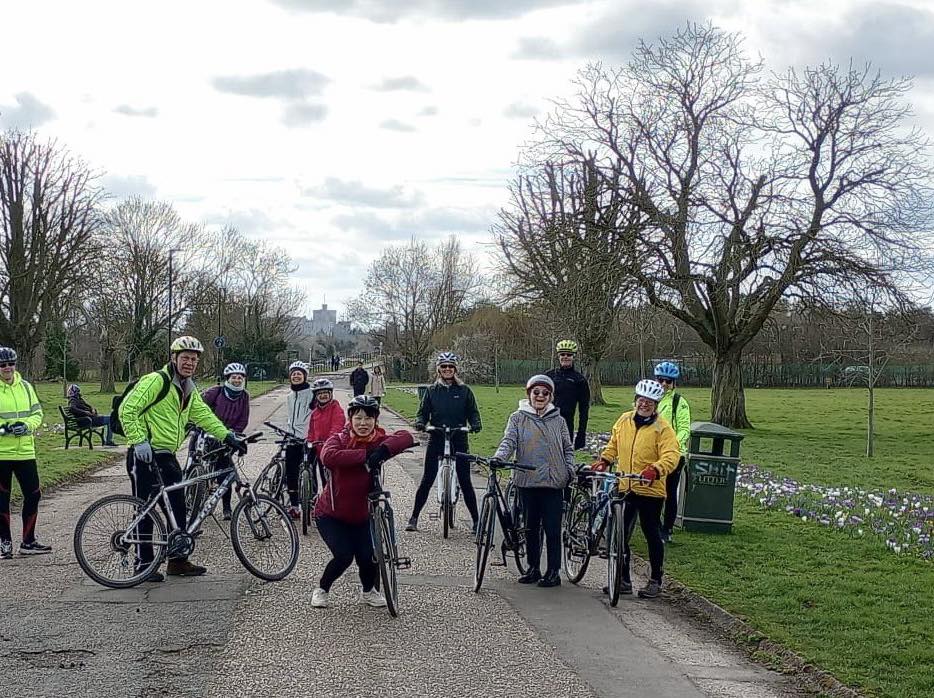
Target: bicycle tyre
x: 516, y: 538
x: 575, y: 538
x: 111, y: 533
x: 304, y: 493
x: 615, y: 553
x: 195, y: 493
x: 446, y: 504
x: 486, y: 531
x: 264, y: 517
x: 271, y: 480
x: 386, y: 556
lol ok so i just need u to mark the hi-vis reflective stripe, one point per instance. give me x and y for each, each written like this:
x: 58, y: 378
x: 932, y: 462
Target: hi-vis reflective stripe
x: 22, y: 413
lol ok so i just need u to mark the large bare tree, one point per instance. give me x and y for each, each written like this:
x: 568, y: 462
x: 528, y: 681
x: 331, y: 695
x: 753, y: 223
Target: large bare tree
x: 48, y: 219
x: 567, y: 240
x: 755, y: 187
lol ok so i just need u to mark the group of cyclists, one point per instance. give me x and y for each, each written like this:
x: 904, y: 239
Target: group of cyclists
x: 155, y: 412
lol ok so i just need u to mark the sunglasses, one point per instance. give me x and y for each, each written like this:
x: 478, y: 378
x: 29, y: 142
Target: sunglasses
x: 7, y: 364
x: 566, y: 355
x: 542, y: 392
x: 445, y: 367
x: 665, y: 381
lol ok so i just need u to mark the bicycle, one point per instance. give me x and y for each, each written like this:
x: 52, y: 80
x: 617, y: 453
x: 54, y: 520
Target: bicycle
x: 109, y: 532
x: 383, y: 535
x: 447, y: 484
x: 495, y: 505
x: 591, y: 515
x: 196, y: 466
x: 272, y: 478
x: 308, y: 484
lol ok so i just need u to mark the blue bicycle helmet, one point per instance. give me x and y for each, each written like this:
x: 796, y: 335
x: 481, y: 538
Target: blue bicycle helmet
x: 667, y: 369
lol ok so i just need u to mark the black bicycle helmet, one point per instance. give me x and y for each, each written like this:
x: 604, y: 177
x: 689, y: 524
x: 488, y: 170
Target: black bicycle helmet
x: 363, y: 402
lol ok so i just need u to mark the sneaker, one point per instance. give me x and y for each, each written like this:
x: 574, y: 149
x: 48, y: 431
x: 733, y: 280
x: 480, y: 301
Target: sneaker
x: 412, y: 525
x: 184, y: 568
x: 34, y: 548
x: 530, y: 577
x: 373, y: 598
x: 319, y: 598
x: 650, y: 590
x: 6, y: 550
x: 295, y: 513
x: 551, y: 579
x: 666, y: 535
x: 227, y: 513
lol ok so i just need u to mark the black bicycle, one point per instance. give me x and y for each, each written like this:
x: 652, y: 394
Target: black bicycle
x: 272, y: 480
x: 112, y: 531
x: 383, y: 534
x: 497, y: 505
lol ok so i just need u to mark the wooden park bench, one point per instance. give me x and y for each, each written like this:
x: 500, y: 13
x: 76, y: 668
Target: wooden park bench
x: 75, y: 430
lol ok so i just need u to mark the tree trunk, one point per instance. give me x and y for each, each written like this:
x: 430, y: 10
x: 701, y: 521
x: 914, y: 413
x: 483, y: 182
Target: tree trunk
x: 871, y: 421
x: 727, y: 400
x: 596, y: 387
x: 107, y: 370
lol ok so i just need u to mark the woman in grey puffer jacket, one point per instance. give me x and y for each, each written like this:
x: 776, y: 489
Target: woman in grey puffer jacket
x: 538, y: 435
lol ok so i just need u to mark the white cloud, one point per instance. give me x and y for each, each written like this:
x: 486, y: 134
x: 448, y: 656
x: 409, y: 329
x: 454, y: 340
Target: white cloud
x: 127, y: 110
x: 28, y: 112
x: 396, y: 125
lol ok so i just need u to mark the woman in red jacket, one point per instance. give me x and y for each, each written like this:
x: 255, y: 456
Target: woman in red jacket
x: 341, y: 513
x: 327, y: 416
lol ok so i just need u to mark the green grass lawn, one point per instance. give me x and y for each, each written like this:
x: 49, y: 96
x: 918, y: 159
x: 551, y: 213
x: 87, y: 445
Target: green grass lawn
x: 55, y: 463
x: 846, y: 604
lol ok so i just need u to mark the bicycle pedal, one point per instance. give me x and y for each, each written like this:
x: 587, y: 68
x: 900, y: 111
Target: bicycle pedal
x: 403, y: 563
x: 434, y: 517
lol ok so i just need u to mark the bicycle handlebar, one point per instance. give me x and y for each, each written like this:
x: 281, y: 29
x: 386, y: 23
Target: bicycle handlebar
x: 283, y: 433
x: 607, y: 475
x: 446, y: 430
x: 494, y: 463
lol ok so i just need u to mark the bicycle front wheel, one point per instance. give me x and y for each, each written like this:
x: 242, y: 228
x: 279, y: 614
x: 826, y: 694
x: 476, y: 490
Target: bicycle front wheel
x: 447, y: 505
x: 386, y: 555
x: 486, y: 529
x: 305, y: 493
x: 616, y: 540
x: 107, y: 545
x: 575, y: 537
x: 264, y: 538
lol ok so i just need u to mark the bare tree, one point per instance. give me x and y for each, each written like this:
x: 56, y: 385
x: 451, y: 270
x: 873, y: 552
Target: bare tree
x: 567, y: 240
x: 753, y: 188
x: 49, y: 216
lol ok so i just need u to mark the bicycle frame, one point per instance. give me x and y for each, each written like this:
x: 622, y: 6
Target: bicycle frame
x: 446, y: 472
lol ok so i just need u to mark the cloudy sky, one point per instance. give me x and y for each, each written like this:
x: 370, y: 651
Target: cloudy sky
x: 336, y: 127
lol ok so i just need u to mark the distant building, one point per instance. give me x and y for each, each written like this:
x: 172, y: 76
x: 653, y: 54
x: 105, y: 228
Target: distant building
x: 322, y: 320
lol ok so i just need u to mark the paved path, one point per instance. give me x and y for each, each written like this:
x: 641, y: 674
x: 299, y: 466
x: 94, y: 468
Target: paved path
x: 230, y: 634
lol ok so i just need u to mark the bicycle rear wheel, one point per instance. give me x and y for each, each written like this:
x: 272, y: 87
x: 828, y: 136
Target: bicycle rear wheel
x: 386, y: 555
x: 446, y: 503
x: 263, y: 538
x: 305, y: 494
x: 271, y: 480
x: 107, y: 551
x: 514, y: 540
x: 486, y: 530
x: 575, y: 537
x: 195, y: 492
x: 616, y: 538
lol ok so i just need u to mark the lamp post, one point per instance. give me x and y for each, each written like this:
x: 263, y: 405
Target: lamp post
x: 171, y: 285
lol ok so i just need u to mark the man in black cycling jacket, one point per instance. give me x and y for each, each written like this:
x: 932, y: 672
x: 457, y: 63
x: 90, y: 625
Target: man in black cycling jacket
x: 572, y: 392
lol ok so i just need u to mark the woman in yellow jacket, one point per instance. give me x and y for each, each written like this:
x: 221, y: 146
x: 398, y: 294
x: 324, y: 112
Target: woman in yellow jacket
x: 643, y: 444
x: 20, y: 416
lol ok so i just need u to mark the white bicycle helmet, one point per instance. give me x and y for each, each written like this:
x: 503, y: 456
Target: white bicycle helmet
x: 321, y: 384
x: 233, y: 368
x: 187, y: 344
x: 298, y: 366
x: 650, y: 389
x: 446, y: 357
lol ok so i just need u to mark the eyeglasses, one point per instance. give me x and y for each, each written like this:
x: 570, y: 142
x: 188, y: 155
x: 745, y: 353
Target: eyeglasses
x: 565, y: 355
x: 7, y: 364
x: 541, y: 392
x: 446, y: 367
x: 664, y: 381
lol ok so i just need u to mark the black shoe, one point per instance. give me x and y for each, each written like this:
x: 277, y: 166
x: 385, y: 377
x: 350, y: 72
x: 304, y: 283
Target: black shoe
x: 652, y: 589
x: 666, y: 535
x: 624, y: 588
x: 154, y: 576
x: 6, y: 550
x: 551, y: 579
x: 412, y: 525
x: 34, y: 548
x: 183, y: 568
x: 227, y: 513
x: 530, y: 577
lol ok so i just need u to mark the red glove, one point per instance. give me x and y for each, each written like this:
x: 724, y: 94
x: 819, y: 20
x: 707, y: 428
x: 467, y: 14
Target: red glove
x: 598, y: 466
x: 650, y: 474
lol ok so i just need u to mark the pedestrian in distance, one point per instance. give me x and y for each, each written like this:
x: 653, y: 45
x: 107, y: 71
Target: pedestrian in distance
x: 298, y: 404
x: 675, y: 410
x: 448, y: 402
x: 20, y: 417
x: 230, y: 403
x: 153, y: 414
x: 537, y: 435
x: 378, y: 384
x: 642, y: 443
x: 572, y: 391
x: 87, y: 415
x: 359, y: 379
x: 352, y: 457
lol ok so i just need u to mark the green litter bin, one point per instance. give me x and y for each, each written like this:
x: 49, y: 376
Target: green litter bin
x: 422, y: 389
x: 705, y: 494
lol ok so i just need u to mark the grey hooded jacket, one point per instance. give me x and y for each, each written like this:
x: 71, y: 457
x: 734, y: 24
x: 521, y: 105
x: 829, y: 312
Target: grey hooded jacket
x: 299, y: 408
x: 542, y: 441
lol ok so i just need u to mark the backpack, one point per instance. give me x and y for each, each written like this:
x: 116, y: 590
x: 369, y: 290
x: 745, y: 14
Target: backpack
x: 115, y: 424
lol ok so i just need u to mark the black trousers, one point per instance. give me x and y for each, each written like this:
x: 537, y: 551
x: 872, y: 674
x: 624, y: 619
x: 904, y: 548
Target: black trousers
x: 649, y: 510
x: 433, y: 454
x: 27, y: 475
x: 347, y: 542
x: 293, y: 466
x: 145, y: 484
x: 671, y: 500
x: 543, y: 509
